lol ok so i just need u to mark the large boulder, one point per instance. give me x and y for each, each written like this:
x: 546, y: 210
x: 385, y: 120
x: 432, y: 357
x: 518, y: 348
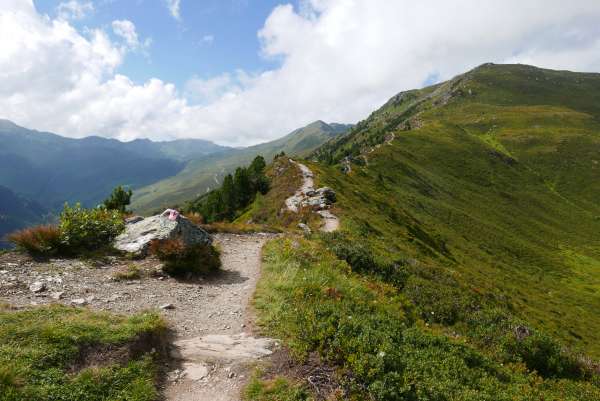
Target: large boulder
x: 137, y: 235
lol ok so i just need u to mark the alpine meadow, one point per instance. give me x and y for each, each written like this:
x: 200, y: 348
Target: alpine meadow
x: 317, y: 200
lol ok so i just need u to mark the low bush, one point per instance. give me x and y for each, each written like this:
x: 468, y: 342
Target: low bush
x: 39, y: 241
x: 278, y: 389
x: 314, y: 303
x: 362, y: 260
x: 132, y: 272
x: 85, y: 230
x: 181, y: 260
x: 513, y: 341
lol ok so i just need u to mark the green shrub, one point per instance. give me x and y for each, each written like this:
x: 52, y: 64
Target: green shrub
x: 38, y: 241
x: 360, y: 257
x: 364, y: 327
x: 89, y: 229
x: 279, y: 389
x: 180, y: 260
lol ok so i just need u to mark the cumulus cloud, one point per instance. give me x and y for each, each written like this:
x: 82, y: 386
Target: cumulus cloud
x: 74, y: 10
x: 173, y: 6
x: 338, y: 61
x: 125, y: 29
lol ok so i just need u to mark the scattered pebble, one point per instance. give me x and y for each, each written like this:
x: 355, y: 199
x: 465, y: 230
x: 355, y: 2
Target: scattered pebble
x: 38, y: 286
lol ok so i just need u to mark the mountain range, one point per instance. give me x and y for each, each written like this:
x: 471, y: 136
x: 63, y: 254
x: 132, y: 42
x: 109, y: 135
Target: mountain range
x: 41, y: 171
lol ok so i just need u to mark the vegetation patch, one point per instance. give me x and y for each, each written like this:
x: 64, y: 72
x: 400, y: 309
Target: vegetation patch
x: 235, y: 194
x: 62, y: 353
x: 42, y: 240
x: 131, y: 272
x: 80, y: 232
x: 316, y: 303
x: 181, y: 260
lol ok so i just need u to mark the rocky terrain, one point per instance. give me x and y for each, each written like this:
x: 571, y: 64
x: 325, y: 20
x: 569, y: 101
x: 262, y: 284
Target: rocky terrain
x: 318, y: 200
x: 213, y: 346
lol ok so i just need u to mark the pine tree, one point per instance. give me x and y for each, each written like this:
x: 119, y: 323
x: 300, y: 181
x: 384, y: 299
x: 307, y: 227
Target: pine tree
x: 118, y: 200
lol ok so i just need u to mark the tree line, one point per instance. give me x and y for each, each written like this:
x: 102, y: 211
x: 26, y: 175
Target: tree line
x: 236, y: 193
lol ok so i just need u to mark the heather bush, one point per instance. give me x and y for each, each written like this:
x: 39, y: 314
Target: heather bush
x: 39, y: 241
x: 181, y: 260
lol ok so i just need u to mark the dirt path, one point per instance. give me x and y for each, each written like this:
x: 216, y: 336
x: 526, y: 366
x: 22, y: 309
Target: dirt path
x: 330, y: 221
x: 213, y: 349
x: 214, y: 367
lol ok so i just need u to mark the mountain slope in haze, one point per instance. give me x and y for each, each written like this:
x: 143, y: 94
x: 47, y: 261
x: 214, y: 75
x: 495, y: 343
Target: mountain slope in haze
x: 205, y: 173
x: 494, y: 179
x: 17, y: 212
x: 52, y: 169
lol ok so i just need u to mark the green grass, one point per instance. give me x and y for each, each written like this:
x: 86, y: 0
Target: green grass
x: 278, y: 389
x: 55, y: 353
x: 315, y: 303
x: 482, y: 214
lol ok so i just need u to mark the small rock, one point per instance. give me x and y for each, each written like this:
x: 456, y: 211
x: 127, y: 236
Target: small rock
x: 304, y: 228
x: 38, y: 286
x: 167, y: 306
x: 231, y: 375
x: 57, y: 295
x: 78, y: 301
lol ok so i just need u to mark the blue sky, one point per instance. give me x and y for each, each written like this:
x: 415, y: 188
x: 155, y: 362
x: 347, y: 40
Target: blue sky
x: 241, y: 72
x: 211, y: 36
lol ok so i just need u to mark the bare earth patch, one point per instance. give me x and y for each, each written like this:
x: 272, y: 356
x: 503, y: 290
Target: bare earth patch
x: 210, y: 314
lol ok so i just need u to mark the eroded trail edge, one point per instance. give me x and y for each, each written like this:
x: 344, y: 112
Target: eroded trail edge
x: 319, y: 199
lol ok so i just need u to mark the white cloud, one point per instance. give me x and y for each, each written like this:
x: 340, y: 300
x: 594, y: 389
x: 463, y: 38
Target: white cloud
x: 74, y: 10
x: 125, y: 29
x: 339, y: 60
x: 173, y: 6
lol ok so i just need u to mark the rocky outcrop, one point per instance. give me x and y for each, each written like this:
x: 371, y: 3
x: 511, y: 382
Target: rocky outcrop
x: 319, y: 200
x: 139, y: 233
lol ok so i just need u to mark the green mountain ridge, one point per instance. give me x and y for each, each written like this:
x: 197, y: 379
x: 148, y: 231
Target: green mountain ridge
x: 203, y: 174
x: 467, y: 265
x: 493, y: 175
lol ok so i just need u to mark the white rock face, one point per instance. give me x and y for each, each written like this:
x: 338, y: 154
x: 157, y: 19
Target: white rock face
x: 223, y: 347
x: 139, y: 234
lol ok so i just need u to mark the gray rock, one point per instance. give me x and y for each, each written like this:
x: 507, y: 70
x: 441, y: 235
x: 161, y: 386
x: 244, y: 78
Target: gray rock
x: 137, y: 236
x: 327, y: 193
x: 38, y: 286
x: 167, y: 306
x: 304, y: 228
x: 57, y: 295
x: 78, y: 301
x: 133, y: 219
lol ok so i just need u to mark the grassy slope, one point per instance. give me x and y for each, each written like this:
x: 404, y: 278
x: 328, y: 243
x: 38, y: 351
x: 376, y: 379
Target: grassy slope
x: 498, y: 190
x: 487, y: 203
x: 41, y: 350
x: 206, y: 173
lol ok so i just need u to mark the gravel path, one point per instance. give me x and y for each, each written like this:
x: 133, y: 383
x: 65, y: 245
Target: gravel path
x: 213, y: 348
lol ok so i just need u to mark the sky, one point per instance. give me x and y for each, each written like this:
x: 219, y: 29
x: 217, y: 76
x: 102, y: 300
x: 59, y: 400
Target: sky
x: 240, y: 72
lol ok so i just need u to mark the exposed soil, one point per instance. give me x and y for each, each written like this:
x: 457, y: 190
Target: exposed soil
x: 196, y: 310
